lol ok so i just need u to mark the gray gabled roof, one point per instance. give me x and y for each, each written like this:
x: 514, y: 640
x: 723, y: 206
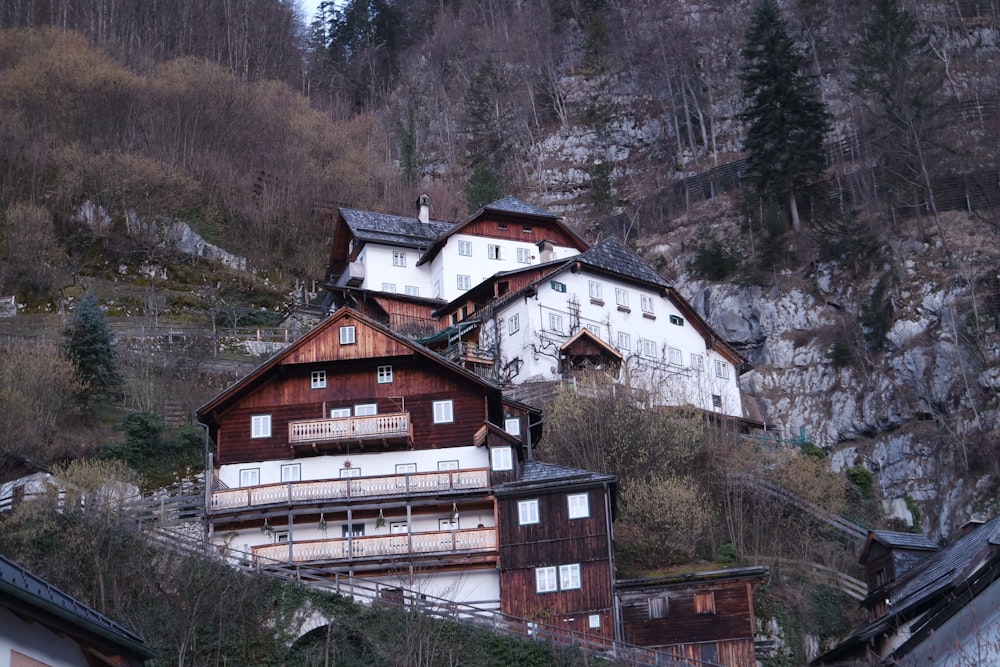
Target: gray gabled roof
x: 613, y: 256
x: 535, y: 473
x: 904, y: 540
x: 369, y: 226
x: 515, y: 205
x: 18, y: 583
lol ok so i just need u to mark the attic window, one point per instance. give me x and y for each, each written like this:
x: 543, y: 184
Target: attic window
x: 347, y: 336
x: 527, y: 230
x: 502, y: 226
x: 558, y: 286
x: 704, y: 603
x: 676, y: 320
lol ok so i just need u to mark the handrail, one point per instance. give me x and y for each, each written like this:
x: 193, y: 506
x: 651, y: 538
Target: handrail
x: 351, y: 488
x: 349, y: 428
x: 379, y: 546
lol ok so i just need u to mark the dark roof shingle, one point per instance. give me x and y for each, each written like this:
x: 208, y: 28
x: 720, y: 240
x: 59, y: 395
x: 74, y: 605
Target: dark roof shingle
x: 612, y: 255
x: 369, y: 226
x: 515, y: 205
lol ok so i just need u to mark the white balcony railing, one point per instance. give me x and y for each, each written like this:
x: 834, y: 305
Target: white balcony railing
x: 392, y: 425
x: 292, y: 493
x: 381, y: 546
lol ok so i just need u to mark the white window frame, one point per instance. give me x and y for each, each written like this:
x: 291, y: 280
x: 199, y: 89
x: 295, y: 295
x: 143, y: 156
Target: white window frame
x: 578, y: 506
x: 260, y: 426
x: 555, y: 322
x: 594, y: 329
x: 249, y: 477
x: 527, y: 512
x: 465, y: 248
x: 448, y: 523
x: 512, y: 425
x: 339, y: 413
x: 349, y: 472
x: 444, y: 411
x: 398, y: 258
x: 569, y: 577
x: 463, y: 281
x: 348, y: 335
x: 621, y: 297
x: 721, y: 369
x: 384, y: 374
x: 354, y: 530
x: 513, y: 324
x: 389, y: 288
x: 365, y: 409
x: 697, y: 362
x: 624, y: 341
x: 317, y: 380
x: 545, y: 579
x: 646, y: 303
x: 412, y: 290
x: 291, y: 472
x: 502, y: 458
x: 406, y: 468
x: 524, y: 256
x: 675, y: 356
x: 596, y: 290
x: 447, y: 465
x: 494, y: 251
x: 594, y: 621
x: 649, y: 349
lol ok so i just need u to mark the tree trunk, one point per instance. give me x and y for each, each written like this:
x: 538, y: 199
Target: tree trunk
x: 793, y: 209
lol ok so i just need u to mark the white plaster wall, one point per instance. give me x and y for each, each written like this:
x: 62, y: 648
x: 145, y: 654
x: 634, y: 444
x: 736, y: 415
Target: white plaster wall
x: 480, y: 588
x: 36, y: 641
x: 379, y: 269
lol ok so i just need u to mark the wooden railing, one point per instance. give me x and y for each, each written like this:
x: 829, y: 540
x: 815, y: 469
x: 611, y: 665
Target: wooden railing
x: 395, y: 424
x: 351, y: 487
x: 380, y: 546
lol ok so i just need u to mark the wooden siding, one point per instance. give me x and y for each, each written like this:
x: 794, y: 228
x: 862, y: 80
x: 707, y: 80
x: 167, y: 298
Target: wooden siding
x: 368, y: 344
x: 555, y: 538
x: 735, y: 653
x: 568, y: 609
x: 733, y: 617
x: 488, y: 225
x: 414, y: 388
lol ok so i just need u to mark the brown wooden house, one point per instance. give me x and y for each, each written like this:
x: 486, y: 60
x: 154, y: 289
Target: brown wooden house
x: 698, y: 616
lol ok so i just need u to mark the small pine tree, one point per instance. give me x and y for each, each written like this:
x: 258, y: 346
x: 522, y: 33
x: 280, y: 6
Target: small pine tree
x: 89, y: 346
x: 786, y: 118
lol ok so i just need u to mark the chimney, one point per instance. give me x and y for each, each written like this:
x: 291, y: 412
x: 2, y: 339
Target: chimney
x: 546, y: 251
x: 424, y: 208
x: 970, y: 525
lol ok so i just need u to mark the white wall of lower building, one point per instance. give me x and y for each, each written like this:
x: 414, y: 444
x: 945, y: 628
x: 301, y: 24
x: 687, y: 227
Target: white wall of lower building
x: 480, y: 588
x: 36, y: 641
x: 381, y: 275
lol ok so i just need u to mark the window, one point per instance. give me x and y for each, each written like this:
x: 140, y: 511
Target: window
x: 512, y: 425
x: 317, y: 380
x: 451, y: 523
x: 569, y: 576
x: 406, y: 468
x: 704, y: 603
x: 260, y: 426
x: 555, y: 322
x: 493, y: 251
x: 545, y: 580
x: 249, y: 476
x: 594, y: 621
x: 624, y: 341
x: 657, y: 607
x: 502, y: 226
x: 291, y: 472
x: 621, y: 297
x: 649, y: 349
x: 594, y: 329
x: 579, y: 505
x: 524, y: 255
x: 502, y: 458
x: 676, y: 358
x: 447, y: 465
x: 558, y: 286
x: 464, y: 281
x: 350, y: 472
x: 339, y: 413
x: 398, y: 258
x: 527, y: 230
x: 353, y: 530
x: 722, y: 369
x: 527, y: 512
x: 389, y: 287
x: 465, y: 248
x: 412, y: 290
x: 513, y: 324
x: 385, y: 374
x: 596, y: 291
x: 646, y: 303
x: 398, y: 527
x: 716, y: 400
x: 676, y: 320
x: 709, y: 653
x: 365, y: 409
x: 347, y: 336
x: 444, y: 412
x: 697, y: 362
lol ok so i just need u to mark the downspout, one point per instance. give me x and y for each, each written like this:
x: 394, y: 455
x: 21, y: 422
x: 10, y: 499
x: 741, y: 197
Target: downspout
x: 209, y: 474
x: 616, y: 612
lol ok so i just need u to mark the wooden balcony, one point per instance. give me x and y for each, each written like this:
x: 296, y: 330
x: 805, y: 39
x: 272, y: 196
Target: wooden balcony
x: 394, y: 427
x: 354, y: 488
x: 381, y: 547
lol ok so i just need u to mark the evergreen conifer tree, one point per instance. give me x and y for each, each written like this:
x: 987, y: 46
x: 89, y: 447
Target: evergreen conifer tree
x: 786, y: 118
x: 89, y: 346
